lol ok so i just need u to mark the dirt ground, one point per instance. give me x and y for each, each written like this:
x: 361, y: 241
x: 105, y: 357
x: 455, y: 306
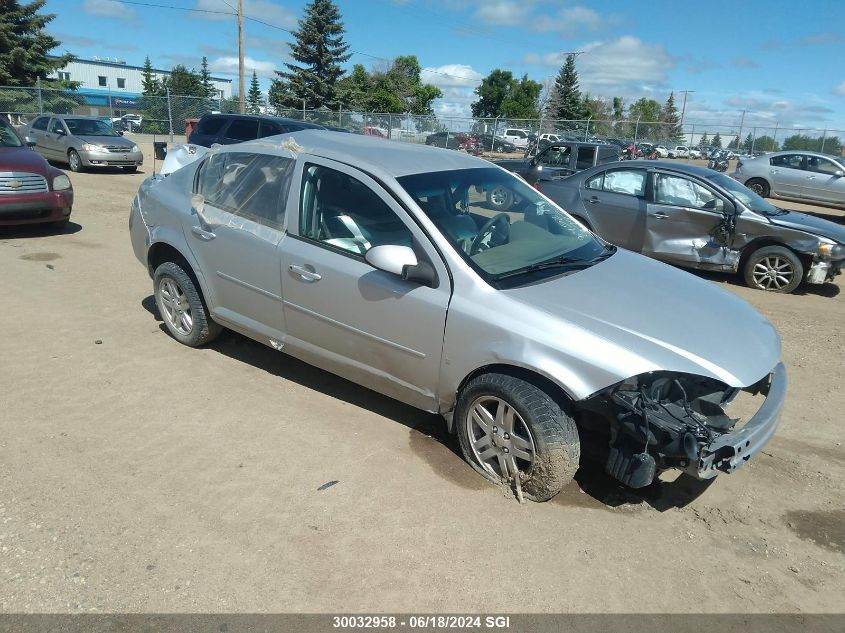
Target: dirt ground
x: 137, y: 474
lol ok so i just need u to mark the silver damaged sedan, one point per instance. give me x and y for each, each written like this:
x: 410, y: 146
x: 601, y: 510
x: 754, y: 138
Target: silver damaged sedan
x: 383, y: 263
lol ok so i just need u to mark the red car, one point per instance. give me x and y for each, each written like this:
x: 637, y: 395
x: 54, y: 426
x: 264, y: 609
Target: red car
x: 31, y: 190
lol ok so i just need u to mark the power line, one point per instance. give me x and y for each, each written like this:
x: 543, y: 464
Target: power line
x: 279, y: 28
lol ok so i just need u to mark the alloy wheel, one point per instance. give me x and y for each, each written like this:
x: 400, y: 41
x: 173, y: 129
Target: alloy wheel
x: 73, y: 161
x: 773, y: 273
x: 501, y: 441
x: 176, y: 308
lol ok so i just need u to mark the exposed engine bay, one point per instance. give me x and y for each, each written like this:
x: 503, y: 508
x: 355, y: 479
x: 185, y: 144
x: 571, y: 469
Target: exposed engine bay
x: 664, y: 420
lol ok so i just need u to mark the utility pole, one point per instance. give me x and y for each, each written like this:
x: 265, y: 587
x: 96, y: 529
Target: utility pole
x: 684, y: 107
x: 241, y: 95
x: 741, y: 122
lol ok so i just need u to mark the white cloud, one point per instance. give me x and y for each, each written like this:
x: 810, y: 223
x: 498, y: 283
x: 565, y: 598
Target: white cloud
x: 229, y: 66
x: 615, y: 67
x: 457, y: 82
x: 263, y: 10
x: 573, y: 20
x: 108, y: 9
x: 840, y: 89
x: 503, y: 12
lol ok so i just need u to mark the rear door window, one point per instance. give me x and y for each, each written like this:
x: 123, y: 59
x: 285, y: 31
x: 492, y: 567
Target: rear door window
x: 627, y: 181
x: 586, y: 157
x: 242, y: 130
x: 790, y: 161
x: 248, y: 185
x: 40, y: 123
x: 268, y: 128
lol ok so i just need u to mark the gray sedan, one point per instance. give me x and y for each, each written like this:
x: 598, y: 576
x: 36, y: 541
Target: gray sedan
x: 695, y: 217
x: 795, y: 175
x: 82, y: 142
x: 383, y: 263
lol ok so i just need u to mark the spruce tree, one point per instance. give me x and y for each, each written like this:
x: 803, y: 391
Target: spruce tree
x: 717, y: 141
x: 253, y: 97
x: 208, y: 89
x: 704, y: 141
x: 672, y: 130
x: 569, y: 105
x: 319, y: 48
x: 24, y: 46
x: 150, y: 85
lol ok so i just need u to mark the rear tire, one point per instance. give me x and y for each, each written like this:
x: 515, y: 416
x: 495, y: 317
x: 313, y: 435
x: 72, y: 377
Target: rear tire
x: 759, y: 186
x: 509, y: 428
x: 774, y: 269
x: 131, y: 169
x: 181, y: 306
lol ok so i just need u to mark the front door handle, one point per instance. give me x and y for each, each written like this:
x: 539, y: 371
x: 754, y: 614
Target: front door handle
x: 811, y: 177
x: 202, y: 233
x: 660, y: 215
x: 593, y: 200
x: 775, y: 171
x: 302, y: 271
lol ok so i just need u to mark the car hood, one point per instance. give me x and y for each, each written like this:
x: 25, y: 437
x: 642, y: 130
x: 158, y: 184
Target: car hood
x: 811, y: 224
x: 659, y: 318
x: 22, y: 159
x: 119, y: 141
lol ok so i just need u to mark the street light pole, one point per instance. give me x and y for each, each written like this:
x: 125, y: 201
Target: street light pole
x: 241, y: 96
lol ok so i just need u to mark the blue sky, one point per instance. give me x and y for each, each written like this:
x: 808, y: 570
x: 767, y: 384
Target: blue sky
x: 782, y: 62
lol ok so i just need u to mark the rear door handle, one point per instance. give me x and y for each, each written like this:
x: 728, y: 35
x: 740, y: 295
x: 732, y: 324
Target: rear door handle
x: 660, y: 215
x: 302, y: 271
x: 202, y: 233
x: 593, y: 200
x: 811, y: 177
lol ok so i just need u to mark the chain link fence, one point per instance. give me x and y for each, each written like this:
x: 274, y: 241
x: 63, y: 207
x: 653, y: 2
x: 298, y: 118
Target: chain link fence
x: 169, y: 115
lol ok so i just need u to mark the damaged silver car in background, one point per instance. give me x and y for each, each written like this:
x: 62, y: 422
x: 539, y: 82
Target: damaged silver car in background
x: 695, y: 217
x: 385, y: 264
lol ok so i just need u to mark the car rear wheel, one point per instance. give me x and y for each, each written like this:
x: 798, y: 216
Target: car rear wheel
x: 181, y: 306
x: 509, y: 430
x: 500, y: 198
x: 74, y: 161
x: 131, y: 169
x: 758, y: 186
x: 774, y: 268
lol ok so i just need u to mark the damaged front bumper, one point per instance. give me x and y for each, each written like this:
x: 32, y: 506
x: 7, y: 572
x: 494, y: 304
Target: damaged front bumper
x: 731, y: 450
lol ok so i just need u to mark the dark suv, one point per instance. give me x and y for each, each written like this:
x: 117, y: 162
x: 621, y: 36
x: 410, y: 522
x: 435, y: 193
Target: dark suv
x: 562, y: 159
x: 227, y: 129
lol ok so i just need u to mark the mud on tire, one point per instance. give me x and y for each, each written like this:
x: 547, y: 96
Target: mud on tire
x: 557, y: 447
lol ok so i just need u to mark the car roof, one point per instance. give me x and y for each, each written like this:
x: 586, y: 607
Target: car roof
x: 261, y: 117
x: 805, y: 152
x: 76, y: 116
x: 377, y: 156
x: 694, y: 170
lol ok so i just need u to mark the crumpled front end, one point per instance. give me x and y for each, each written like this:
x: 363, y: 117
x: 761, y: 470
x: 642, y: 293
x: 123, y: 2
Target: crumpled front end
x: 666, y: 420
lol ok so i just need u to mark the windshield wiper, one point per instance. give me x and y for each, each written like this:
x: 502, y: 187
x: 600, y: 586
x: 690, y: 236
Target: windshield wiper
x: 564, y: 261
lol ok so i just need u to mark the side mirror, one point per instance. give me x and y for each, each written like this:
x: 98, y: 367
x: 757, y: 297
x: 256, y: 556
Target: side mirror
x: 30, y: 142
x: 401, y: 261
x: 839, y: 173
x: 61, y: 132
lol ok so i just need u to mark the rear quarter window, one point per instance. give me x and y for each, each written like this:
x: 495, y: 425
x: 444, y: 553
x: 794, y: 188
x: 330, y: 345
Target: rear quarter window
x: 210, y: 126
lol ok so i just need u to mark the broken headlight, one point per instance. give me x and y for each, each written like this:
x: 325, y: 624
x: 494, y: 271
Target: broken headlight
x: 831, y: 251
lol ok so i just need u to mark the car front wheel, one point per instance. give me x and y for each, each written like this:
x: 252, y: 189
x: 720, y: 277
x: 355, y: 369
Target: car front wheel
x: 773, y: 268
x: 510, y: 430
x: 500, y: 198
x: 74, y: 161
x: 181, y: 306
x: 758, y: 186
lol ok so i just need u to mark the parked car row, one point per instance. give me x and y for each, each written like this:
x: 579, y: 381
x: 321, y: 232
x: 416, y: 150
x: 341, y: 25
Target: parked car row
x: 399, y: 276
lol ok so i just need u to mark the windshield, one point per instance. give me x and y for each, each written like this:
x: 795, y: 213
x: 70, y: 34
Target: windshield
x: 8, y: 137
x: 501, y: 225
x: 90, y: 127
x: 744, y: 195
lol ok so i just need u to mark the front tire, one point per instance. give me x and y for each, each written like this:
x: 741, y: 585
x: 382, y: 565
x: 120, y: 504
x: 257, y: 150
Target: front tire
x: 181, y: 306
x: 74, y: 161
x: 500, y: 198
x: 774, y: 269
x: 131, y: 169
x: 510, y: 428
x: 759, y: 186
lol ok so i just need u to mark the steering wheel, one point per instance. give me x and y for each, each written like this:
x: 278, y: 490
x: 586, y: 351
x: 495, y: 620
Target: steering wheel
x: 502, y: 219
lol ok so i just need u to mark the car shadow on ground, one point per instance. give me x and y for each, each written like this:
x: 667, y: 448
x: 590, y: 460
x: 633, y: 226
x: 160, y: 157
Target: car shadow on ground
x: 827, y: 289
x: 23, y: 231
x: 112, y: 171
x: 430, y: 440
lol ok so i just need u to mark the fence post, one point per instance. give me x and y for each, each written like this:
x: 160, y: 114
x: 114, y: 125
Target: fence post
x: 637, y: 130
x: 775, y: 138
x: 40, y: 103
x: 691, y: 136
x: 169, y: 114
x: 587, y: 130
x: 753, y: 139
x: 824, y: 135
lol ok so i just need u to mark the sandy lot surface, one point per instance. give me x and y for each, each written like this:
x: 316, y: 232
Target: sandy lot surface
x: 137, y: 474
